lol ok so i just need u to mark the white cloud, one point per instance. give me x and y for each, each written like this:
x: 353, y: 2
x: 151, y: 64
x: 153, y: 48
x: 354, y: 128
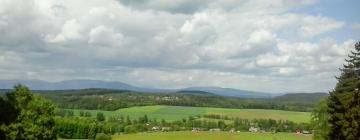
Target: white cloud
x: 287, y: 71
x: 317, y: 25
x: 70, y: 31
x: 270, y: 60
x: 199, y: 20
x: 103, y: 36
x: 9, y: 58
x: 262, y: 39
x: 171, y: 44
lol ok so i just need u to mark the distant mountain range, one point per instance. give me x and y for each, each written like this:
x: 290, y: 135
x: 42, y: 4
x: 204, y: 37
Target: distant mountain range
x: 230, y: 92
x: 74, y: 84
x: 84, y: 84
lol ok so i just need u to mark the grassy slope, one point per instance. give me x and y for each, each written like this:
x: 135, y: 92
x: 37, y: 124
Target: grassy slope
x: 211, y: 136
x: 171, y: 113
x: 262, y: 114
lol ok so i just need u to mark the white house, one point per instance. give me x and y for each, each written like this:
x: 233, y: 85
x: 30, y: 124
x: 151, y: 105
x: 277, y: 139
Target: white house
x: 253, y: 129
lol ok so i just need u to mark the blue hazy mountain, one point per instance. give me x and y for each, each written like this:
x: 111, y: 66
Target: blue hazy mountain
x: 83, y: 84
x: 230, y: 92
x: 63, y: 85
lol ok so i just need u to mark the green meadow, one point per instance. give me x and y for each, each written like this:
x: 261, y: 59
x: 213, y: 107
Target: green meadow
x: 172, y: 113
x: 211, y: 136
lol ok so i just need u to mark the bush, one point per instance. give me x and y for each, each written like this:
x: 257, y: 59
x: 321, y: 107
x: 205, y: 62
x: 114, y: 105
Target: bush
x: 102, y: 136
x: 100, y: 117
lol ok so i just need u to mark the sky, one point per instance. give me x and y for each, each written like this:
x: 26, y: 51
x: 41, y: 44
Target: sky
x: 259, y: 45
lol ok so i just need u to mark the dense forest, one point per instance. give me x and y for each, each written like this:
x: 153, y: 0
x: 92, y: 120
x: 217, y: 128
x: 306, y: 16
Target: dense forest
x: 105, y: 99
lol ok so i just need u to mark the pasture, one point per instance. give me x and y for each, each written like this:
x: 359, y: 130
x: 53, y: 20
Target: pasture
x: 211, y: 136
x: 172, y: 113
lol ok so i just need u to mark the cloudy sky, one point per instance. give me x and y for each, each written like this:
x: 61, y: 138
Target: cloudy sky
x: 260, y: 45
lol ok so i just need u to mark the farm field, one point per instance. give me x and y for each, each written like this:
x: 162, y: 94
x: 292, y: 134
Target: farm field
x: 172, y: 113
x: 211, y: 136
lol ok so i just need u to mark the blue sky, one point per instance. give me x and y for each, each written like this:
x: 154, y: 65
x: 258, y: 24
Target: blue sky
x: 340, y: 10
x: 260, y: 45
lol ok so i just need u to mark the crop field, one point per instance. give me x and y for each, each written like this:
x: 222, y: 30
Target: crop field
x: 171, y: 113
x: 211, y: 136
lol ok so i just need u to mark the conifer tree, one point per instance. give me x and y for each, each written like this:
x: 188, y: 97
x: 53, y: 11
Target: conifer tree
x: 353, y: 107
x: 343, y: 102
x: 336, y: 119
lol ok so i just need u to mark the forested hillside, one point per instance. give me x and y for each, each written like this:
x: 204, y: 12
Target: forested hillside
x: 105, y: 99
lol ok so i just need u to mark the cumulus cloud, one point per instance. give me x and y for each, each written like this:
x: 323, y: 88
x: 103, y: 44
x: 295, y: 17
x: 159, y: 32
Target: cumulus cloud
x: 313, y: 26
x: 271, y: 60
x: 103, y: 36
x: 175, y: 6
x: 71, y: 30
x: 171, y: 43
x: 287, y: 71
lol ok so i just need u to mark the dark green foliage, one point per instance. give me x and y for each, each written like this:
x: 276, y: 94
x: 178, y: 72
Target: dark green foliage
x: 7, y: 108
x: 76, y: 128
x: 87, y: 114
x: 343, y: 102
x: 319, y: 121
x: 352, y: 117
x: 28, y: 116
x: 100, y: 116
x: 64, y: 113
x: 336, y: 119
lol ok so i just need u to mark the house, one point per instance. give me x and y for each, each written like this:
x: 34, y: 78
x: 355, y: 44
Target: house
x: 165, y: 128
x: 166, y: 98
x: 306, y: 132
x: 215, y: 130
x: 195, y: 129
x: 253, y: 129
x: 155, y: 128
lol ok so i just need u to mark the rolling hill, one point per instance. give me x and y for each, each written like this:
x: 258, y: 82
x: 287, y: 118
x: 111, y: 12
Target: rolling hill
x: 301, y: 97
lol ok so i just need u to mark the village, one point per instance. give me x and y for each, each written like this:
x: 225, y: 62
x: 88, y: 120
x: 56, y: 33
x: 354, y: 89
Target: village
x: 232, y: 130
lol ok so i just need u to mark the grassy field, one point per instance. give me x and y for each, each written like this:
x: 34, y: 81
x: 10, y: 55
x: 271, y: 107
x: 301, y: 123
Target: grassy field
x: 171, y: 113
x: 211, y: 136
